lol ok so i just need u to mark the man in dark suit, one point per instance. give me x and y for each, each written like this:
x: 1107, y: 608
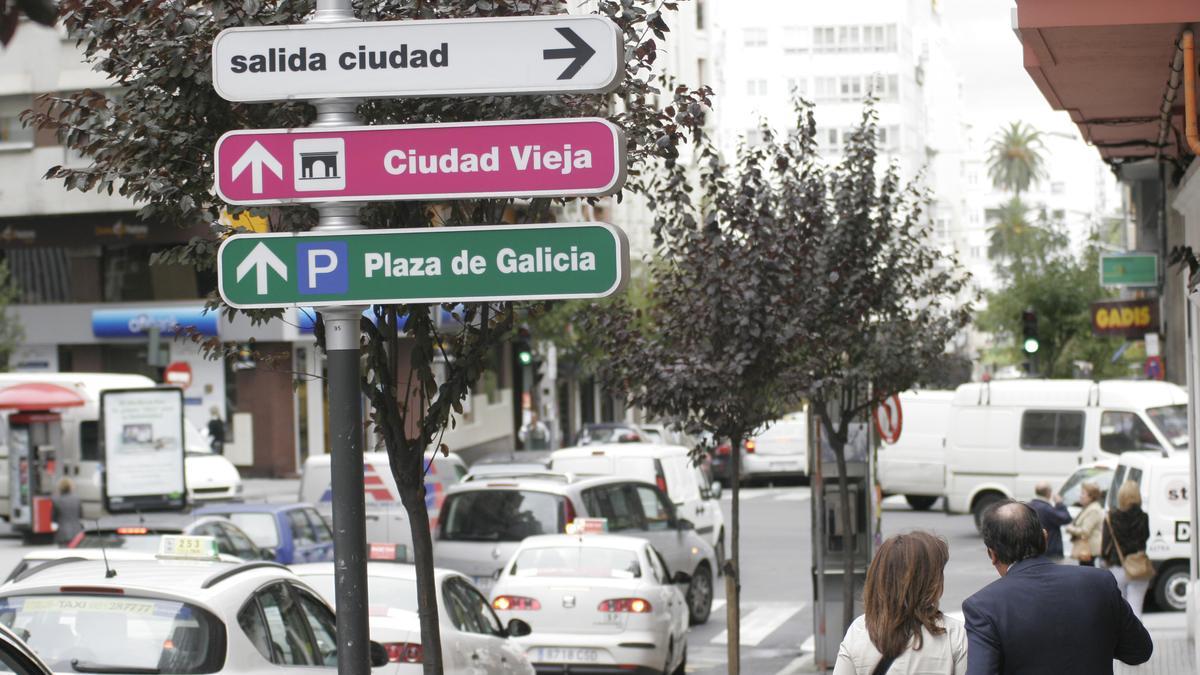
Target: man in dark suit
x: 1053, y: 515
x: 1042, y: 618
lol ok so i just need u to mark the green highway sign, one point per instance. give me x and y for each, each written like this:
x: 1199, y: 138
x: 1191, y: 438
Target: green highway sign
x: 1128, y: 269
x: 442, y: 264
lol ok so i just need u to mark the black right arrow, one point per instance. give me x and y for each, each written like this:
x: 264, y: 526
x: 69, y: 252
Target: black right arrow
x: 580, y: 51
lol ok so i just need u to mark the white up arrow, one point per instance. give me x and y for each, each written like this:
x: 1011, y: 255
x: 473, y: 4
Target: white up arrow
x: 259, y: 260
x: 256, y: 157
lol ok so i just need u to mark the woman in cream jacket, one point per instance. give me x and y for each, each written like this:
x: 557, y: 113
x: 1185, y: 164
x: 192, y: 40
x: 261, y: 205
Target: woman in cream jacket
x: 1086, y: 529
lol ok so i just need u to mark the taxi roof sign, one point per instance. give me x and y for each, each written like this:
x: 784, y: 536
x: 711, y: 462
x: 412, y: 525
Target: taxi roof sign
x: 588, y: 526
x: 186, y: 547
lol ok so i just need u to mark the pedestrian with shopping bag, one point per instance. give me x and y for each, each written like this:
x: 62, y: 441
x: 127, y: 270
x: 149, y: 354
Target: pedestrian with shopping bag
x: 1125, y: 532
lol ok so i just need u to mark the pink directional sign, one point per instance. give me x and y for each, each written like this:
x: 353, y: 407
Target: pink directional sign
x: 568, y: 157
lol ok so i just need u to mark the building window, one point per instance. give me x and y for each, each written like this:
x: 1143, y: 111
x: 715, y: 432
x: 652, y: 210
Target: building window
x: 826, y: 88
x: 1058, y: 187
x: 699, y: 14
x: 756, y: 87
x: 753, y: 137
x: 798, y: 86
x: 12, y: 132
x: 796, y: 39
x: 869, y: 38
x: 755, y: 37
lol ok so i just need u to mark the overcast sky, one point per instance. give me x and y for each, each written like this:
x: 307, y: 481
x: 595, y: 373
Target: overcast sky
x: 996, y: 87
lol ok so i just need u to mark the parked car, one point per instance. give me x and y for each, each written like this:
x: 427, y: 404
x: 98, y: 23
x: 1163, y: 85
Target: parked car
x: 473, y: 638
x: 670, y: 467
x: 295, y: 533
x: 594, y: 601
x: 387, y: 521
x: 483, y: 523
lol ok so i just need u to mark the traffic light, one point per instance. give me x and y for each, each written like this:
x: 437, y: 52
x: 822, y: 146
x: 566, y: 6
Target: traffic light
x: 523, y: 347
x: 1029, y: 329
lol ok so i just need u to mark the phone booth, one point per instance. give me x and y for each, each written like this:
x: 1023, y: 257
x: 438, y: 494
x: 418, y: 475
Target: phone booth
x: 34, y: 437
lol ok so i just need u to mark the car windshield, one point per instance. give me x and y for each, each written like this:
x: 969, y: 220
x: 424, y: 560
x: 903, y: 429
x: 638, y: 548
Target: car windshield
x: 1171, y: 420
x: 577, y: 561
x: 260, y: 527
x: 1100, y: 475
x: 116, y: 633
x: 383, y: 593
x: 501, y: 515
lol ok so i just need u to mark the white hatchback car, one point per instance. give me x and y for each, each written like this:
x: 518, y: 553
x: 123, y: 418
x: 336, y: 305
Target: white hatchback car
x: 172, y: 617
x: 473, y: 640
x: 597, y: 604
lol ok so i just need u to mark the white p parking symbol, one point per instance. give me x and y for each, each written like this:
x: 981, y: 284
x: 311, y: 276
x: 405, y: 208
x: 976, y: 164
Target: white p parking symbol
x: 323, y: 268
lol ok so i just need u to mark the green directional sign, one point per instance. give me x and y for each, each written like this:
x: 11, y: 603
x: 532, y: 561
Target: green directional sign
x: 444, y: 264
x: 1128, y: 269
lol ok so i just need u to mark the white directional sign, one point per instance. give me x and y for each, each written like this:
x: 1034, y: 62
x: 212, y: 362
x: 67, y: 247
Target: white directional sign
x: 453, y: 57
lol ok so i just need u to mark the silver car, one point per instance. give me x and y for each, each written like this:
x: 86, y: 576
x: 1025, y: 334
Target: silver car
x: 779, y: 452
x: 483, y: 522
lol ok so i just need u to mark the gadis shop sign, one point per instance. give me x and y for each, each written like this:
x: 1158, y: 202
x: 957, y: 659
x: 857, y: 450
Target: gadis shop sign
x: 1125, y: 318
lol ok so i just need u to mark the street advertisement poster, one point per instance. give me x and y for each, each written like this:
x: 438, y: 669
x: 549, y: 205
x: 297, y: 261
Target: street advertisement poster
x: 142, y: 439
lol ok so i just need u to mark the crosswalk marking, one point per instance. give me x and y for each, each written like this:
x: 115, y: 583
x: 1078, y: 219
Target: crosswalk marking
x: 760, y: 621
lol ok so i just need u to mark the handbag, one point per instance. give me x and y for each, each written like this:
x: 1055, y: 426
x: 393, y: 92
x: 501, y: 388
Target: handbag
x: 1081, y: 550
x: 883, y: 666
x: 1137, y: 565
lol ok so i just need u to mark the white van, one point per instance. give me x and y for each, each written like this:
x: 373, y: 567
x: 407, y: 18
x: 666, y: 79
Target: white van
x: 1165, y: 487
x: 1007, y: 436
x: 387, y: 521
x: 668, y: 466
x: 208, y: 476
x: 915, y: 465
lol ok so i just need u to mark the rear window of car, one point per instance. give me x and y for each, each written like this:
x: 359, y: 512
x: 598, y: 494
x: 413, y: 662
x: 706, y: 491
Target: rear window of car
x: 577, y: 561
x: 260, y: 527
x: 501, y: 515
x: 115, y: 634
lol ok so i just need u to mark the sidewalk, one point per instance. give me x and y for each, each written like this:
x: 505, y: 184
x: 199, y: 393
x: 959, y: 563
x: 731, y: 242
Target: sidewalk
x: 1173, y: 653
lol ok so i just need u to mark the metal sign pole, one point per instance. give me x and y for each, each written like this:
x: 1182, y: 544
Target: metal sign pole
x: 342, y: 337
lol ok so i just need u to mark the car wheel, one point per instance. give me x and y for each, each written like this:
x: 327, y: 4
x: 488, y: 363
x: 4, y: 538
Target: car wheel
x: 982, y: 503
x: 1171, y: 587
x: 700, y: 595
x: 920, y: 502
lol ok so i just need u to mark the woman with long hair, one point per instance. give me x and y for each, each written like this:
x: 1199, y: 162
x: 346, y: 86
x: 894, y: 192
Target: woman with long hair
x: 1126, y: 530
x: 903, y: 629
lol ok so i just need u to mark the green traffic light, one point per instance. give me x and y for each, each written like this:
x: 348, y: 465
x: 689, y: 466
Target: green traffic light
x: 1031, y: 345
x: 525, y: 358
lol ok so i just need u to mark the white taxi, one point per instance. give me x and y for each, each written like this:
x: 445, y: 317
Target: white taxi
x: 596, y: 603
x: 473, y: 640
x: 183, y: 613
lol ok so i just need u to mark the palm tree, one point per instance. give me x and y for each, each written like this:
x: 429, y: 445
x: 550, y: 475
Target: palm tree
x: 1015, y: 159
x: 1010, y: 228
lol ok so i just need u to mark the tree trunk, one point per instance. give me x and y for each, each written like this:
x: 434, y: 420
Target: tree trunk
x: 848, y: 539
x: 733, y: 582
x: 427, y: 607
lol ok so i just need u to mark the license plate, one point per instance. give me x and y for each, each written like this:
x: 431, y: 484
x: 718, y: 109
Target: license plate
x: 567, y: 655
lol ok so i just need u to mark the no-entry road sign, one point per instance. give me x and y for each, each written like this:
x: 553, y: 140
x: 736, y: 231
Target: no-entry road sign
x: 511, y: 55
x: 563, y: 158
x: 444, y: 264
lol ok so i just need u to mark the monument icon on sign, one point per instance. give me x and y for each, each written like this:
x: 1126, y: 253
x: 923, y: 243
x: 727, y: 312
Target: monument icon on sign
x: 319, y: 164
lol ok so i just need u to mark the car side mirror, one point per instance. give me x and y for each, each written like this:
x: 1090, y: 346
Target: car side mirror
x: 518, y: 628
x: 681, y: 578
x: 715, y: 490
x: 379, y: 655
x: 685, y: 524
